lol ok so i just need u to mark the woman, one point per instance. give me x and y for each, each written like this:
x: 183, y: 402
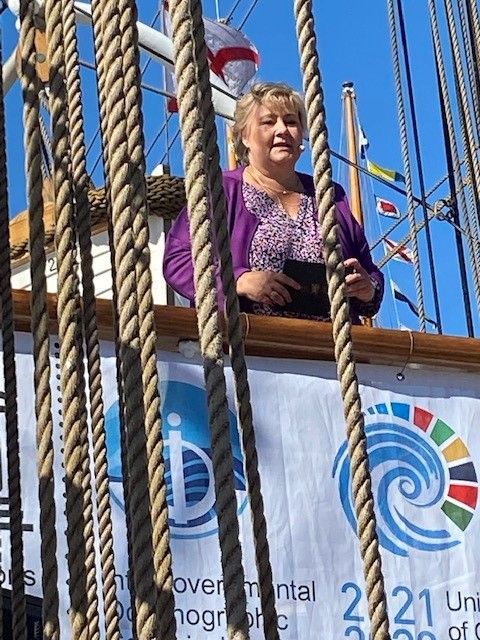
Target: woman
x: 272, y: 215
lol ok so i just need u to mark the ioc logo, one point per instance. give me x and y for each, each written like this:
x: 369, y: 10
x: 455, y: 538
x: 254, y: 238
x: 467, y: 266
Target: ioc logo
x: 188, y: 460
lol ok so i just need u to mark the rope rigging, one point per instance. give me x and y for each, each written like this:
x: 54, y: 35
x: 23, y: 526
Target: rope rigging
x: 81, y: 556
x: 190, y: 54
x: 466, y: 120
x: 125, y: 186
x: 80, y: 182
x: 39, y: 323
x: 162, y: 559
x: 458, y: 192
x: 126, y: 202
x: 11, y: 410
x: 361, y: 482
x: 232, y: 312
x: 416, y: 141
x: 406, y: 161
x: 102, y: 101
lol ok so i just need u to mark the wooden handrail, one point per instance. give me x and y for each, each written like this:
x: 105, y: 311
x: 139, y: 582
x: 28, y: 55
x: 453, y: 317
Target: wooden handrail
x: 294, y: 339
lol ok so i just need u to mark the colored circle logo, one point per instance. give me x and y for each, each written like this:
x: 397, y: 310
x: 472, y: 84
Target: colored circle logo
x: 417, y: 462
x: 188, y: 461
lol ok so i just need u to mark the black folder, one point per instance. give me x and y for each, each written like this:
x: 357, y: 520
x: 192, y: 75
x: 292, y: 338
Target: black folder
x: 312, y: 298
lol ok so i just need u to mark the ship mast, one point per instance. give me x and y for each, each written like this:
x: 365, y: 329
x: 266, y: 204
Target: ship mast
x: 348, y: 96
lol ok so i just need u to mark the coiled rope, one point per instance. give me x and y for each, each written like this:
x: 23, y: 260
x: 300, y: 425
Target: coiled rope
x: 188, y: 65
x: 39, y: 320
x: 357, y: 443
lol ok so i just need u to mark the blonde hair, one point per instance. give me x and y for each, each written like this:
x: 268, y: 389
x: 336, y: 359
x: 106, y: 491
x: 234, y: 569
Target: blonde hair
x: 276, y: 95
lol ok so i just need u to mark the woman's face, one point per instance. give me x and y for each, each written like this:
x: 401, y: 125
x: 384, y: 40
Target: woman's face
x: 273, y: 138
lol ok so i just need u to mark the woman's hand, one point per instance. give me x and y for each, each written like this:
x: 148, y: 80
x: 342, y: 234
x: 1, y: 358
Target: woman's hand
x: 266, y: 287
x: 359, y: 284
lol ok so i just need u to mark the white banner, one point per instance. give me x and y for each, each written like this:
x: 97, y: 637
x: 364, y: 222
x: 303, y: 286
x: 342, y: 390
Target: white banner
x: 424, y: 455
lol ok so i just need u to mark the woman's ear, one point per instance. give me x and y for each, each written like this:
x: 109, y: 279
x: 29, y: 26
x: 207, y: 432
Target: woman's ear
x: 245, y: 137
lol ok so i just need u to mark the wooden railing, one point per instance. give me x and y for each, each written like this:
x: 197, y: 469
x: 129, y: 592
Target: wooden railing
x: 293, y: 339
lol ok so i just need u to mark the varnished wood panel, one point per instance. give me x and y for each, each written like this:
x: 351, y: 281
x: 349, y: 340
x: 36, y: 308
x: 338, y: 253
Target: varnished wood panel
x: 296, y: 339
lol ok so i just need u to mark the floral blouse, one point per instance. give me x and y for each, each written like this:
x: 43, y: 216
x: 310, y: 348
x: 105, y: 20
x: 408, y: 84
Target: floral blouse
x: 280, y: 237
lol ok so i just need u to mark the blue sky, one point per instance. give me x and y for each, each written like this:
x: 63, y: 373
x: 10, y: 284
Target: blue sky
x: 354, y: 45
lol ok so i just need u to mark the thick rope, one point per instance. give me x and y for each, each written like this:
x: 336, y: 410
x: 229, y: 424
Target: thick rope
x: 187, y: 46
x: 80, y: 532
x: 361, y: 481
x: 473, y: 247
x: 156, y: 468
x: 39, y: 319
x: 80, y: 186
x: 11, y: 412
x: 123, y: 184
x: 466, y: 121
x: 406, y: 163
x: 106, y: 194
x: 237, y: 351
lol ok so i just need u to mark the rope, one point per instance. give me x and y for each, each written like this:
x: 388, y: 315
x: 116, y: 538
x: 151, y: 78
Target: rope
x: 46, y: 143
x: 39, y: 319
x: 473, y: 248
x: 406, y: 164
x: 188, y: 66
x: 361, y: 482
x: 472, y: 72
x: 102, y: 99
x: 80, y: 185
x: 162, y: 558
x: 124, y: 184
x: 393, y: 252
x: 474, y: 25
x: 80, y: 534
x: 466, y: 123
x: 11, y: 413
x: 242, y: 389
x: 418, y: 158
x: 237, y: 351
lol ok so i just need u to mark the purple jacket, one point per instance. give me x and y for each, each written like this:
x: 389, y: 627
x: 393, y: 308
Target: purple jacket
x: 242, y: 224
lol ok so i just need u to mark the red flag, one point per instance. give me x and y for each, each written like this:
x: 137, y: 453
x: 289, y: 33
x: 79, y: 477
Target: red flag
x: 387, y: 208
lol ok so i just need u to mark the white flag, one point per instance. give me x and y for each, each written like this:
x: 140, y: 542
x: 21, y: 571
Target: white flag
x: 231, y: 56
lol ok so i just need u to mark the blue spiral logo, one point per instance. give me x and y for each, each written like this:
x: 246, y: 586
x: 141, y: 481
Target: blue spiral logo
x: 412, y: 472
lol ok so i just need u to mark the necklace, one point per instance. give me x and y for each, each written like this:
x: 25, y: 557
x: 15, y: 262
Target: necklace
x: 258, y: 177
